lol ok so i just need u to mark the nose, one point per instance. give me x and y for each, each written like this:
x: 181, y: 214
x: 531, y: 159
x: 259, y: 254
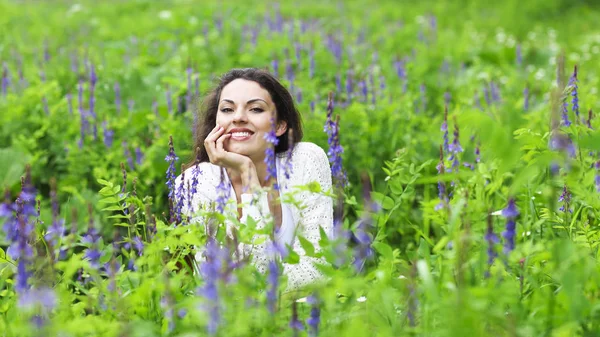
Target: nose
x: 240, y: 115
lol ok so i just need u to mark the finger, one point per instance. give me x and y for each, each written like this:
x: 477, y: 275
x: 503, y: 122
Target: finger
x: 219, y: 142
x: 214, y: 134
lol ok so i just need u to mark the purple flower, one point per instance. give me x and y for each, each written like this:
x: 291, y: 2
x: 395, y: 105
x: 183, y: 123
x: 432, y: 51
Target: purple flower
x: 444, y: 129
x: 273, y: 285
x: 511, y: 210
x: 565, y: 114
x: 495, y: 91
x: 441, y: 185
x: 565, y: 198
x: 575, y: 101
x: 180, y: 197
x: 138, y: 245
x: 5, y: 79
x: 400, y: 66
x: 315, y: 316
x: 216, y: 267
x: 289, y: 165
x: 44, y: 298
x: 271, y: 138
x: 563, y: 143
x: 335, y: 149
x: 139, y: 156
x: 171, y: 158
x: 510, y: 213
x: 196, y: 172
x: 222, y: 193
x: 455, y: 147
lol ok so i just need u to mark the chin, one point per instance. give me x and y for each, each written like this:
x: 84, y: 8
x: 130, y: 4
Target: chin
x: 239, y: 149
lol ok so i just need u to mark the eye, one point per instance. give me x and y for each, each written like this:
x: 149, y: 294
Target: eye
x: 257, y: 110
x: 226, y: 110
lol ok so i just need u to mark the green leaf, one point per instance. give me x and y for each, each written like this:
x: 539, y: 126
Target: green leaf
x: 109, y: 200
x: 113, y: 208
x: 385, y: 201
x: 12, y: 166
x: 384, y: 250
x: 307, y: 246
x: 292, y: 258
x: 106, y: 191
x: 104, y: 182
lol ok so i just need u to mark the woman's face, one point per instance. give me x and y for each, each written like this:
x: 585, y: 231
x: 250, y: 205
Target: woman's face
x: 245, y: 110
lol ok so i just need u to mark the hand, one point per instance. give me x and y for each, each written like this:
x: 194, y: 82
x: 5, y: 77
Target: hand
x: 217, y: 154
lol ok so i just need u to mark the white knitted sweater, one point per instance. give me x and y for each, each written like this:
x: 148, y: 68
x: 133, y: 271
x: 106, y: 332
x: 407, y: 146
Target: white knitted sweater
x: 309, y: 163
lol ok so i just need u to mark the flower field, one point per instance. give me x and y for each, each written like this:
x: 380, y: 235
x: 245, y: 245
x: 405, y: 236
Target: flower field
x: 462, y: 136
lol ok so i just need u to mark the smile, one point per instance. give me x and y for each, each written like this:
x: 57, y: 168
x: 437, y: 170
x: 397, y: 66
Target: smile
x: 241, y: 136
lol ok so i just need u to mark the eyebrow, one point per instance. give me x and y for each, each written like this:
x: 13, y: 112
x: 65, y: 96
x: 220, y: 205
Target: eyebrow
x: 249, y: 101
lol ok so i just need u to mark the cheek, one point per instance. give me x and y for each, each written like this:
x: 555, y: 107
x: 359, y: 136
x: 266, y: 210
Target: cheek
x: 221, y: 120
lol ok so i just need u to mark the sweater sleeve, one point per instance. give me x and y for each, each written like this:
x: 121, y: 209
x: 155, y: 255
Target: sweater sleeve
x: 316, y: 211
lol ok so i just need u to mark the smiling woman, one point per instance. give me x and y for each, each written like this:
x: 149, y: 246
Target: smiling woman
x: 250, y: 158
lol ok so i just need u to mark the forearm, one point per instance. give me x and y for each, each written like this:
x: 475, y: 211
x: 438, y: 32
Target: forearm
x: 249, y: 177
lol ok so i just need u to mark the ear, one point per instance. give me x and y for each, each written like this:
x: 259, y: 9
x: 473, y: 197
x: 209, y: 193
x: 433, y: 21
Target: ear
x: 281, y: 128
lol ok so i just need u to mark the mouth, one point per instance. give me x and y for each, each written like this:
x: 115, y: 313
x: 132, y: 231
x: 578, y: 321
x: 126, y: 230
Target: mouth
x: 241, y: 136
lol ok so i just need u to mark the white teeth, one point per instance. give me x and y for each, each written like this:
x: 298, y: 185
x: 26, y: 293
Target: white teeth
x: 241, y: 134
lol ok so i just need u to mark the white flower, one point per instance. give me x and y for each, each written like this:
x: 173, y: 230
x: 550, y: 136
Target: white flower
x: 361, y: 299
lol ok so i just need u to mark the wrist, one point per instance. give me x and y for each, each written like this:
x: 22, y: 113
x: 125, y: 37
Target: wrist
x: 249, y: 176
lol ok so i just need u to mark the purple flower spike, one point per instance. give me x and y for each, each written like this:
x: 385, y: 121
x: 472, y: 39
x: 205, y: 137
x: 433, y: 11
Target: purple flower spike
x: 108, y: 135
x: 565, y: 198
x: 171, y: 158
x: 223, y: 191
x: 273, y: 285
x: 511, y: 210
x: 315, y: 315
x: 510, y: 213
x: 5, y: 79
x: 575, y: 101
x: 444, y: 129
x: 271, y: 138
x: 565, y: 114
x: 441, y: 185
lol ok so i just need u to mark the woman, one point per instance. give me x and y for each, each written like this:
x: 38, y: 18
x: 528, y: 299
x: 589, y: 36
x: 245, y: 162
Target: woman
x: 245, y: 143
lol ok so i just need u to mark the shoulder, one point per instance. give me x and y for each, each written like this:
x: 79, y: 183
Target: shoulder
x: 309, y: 152
x: 310, y: 162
